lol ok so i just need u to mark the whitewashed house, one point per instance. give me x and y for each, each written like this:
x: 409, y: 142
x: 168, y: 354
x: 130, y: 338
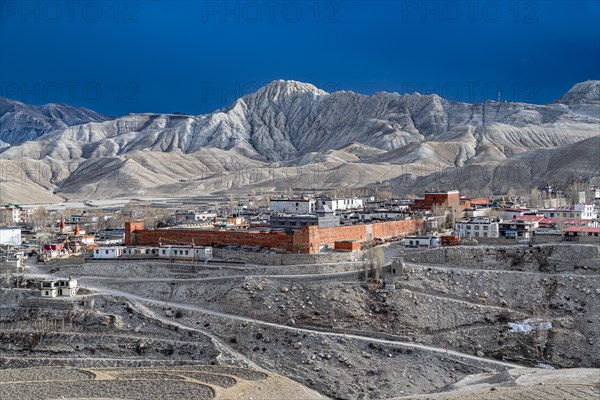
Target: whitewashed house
x: 190, y: 216
x: 343, y: 204
x: 10, y: 215
x: 48, y: 288
x: 139, y: 251
x: 11, y: 262
x: 59, y: 287
x: 422, y: 241
x: 108, y: 252
x: 477, y: 227
x: 579, y: 211
x: 186, y: 252
x: 293, y: 206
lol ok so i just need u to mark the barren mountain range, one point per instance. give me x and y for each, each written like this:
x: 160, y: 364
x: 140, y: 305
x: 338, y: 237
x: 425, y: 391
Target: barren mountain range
x: 292, y: 134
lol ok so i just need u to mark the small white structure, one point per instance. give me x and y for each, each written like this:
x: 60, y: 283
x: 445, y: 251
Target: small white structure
x: 343, y: 204
x: 59, y: 287
x: 186, y: 252
x: 11, y: 262
x: 48, y: 288
x: 108, y: 252
x: 10, y: 236
x: 422, y: 241
x: 183, y: 217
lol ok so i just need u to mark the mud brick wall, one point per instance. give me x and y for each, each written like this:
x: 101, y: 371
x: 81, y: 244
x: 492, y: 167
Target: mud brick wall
x: 212, y: 238
x: 311, y: 237
x: 305, y: 240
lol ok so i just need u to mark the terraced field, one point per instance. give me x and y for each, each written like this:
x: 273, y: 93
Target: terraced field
x: 190, y: 382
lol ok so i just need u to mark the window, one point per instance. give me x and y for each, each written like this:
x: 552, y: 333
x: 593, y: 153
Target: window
x: 106, y: 251
x: 186, y: 252
x: 164, y: 252
x: 97, y: 251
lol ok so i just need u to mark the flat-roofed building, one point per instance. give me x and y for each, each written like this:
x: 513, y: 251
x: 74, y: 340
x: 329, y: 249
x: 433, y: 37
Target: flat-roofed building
x: 424, y: 241
x: 293, y: 206
x: 478, y: 227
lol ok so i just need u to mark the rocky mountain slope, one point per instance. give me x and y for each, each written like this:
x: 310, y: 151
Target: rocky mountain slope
x: 288, y: 134
x: 21, y: 122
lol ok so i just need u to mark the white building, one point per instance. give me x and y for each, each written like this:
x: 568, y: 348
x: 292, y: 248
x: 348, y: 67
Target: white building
x: 108, y: 252
x: 579, y: 211
x: 382, y: 214
x: 186, y: 252
x: 587, y: 211
x: 183, y: 217
x: 11, y: 262
x: 59, y: 287
x: 141, y: 251
x: 422, y: 241
x: 477, y: 227
x: 10, y: 236
x: 293, y: 206
x: 343, y: 204
x: 10, y: 215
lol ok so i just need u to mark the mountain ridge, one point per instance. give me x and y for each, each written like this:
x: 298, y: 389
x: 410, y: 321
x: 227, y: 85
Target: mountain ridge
x: 288, y: 123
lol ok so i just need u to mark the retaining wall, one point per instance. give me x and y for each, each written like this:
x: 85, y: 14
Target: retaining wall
x: 549, y: 258
x: 285, y: 259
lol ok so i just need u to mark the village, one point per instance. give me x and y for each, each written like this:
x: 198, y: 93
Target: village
x: 295, y: 284
x: 305, y: 224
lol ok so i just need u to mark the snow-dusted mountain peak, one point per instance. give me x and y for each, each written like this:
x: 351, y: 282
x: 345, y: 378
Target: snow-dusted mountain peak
x: 581, y: 93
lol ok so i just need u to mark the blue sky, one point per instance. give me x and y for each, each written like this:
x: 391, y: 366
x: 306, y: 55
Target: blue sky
x: 198, y: 56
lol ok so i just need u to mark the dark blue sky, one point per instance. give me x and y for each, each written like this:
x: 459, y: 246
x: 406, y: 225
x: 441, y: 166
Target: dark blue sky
x: 195, y: 57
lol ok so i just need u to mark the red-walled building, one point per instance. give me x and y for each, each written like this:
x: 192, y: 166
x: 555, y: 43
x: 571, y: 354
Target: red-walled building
x: 449, y: 199
x: 307, y: 239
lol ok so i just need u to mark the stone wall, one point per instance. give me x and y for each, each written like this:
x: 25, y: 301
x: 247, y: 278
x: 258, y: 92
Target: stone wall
x: 547, y: 258
x: 286, y: 259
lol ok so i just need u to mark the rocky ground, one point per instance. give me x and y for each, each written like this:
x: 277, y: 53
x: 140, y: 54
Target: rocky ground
x: 333, y: 333
x: 524, y: 383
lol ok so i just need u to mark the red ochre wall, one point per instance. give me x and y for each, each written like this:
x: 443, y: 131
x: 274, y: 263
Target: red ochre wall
x: 310, y: 237
x: 305, y: 240
x: 154, y: 237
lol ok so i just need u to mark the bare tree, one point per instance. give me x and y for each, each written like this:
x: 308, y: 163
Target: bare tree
x: 374, y: 260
